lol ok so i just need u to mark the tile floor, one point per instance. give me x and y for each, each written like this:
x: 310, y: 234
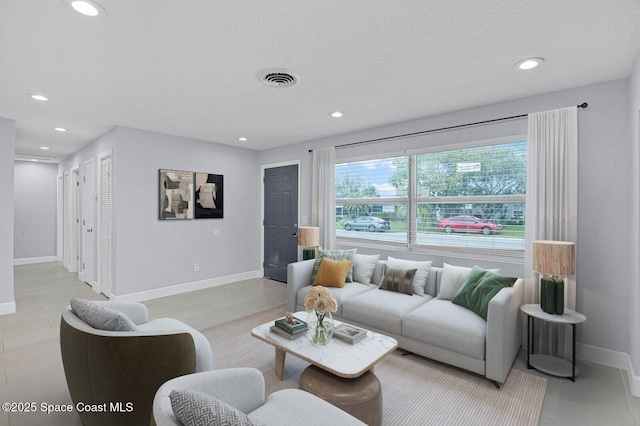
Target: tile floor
x: 32, y: 367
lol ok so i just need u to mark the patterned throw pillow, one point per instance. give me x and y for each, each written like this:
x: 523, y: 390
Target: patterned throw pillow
x: 398, y: 280
x: 334, y: 255
x: 193, y: 408
x: 422, y: 272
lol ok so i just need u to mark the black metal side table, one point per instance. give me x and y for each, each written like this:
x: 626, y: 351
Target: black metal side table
x: 550, y: 364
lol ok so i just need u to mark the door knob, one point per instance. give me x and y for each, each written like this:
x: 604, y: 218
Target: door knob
x: 295, y: 234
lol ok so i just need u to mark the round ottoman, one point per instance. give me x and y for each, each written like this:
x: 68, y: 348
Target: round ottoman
x: 361, y: 397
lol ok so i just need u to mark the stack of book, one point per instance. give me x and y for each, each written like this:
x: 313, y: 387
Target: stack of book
x: 289, y: 330
x: 349, y: 333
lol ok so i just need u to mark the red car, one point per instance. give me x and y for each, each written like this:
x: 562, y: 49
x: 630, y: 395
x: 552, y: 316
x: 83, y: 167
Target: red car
x: 468, y: 224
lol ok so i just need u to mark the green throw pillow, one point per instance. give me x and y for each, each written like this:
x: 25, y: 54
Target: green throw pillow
x: 339, y: 255
x: 479, y: 288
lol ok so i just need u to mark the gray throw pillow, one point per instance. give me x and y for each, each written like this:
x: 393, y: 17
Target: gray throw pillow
x: 193, y: 408
x: 363, y: 267
x: 398, y: 280
x: 422, y: 272
x: 100, y: 317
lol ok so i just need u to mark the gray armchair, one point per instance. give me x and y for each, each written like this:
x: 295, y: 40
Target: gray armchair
x: 127, y: 366
x: 243, y: 389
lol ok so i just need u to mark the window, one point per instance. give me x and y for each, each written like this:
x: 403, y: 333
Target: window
x: 371, y: 196
x: 472, y: 198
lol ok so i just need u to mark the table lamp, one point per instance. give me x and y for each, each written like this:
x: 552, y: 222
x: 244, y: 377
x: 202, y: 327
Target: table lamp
x: 309, y: 238
x: 553, y: 259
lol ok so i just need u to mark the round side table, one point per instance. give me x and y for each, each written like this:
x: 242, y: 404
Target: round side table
x: 548, y: 363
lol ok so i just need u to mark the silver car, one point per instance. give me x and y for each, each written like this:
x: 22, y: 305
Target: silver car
x: 370, y: 223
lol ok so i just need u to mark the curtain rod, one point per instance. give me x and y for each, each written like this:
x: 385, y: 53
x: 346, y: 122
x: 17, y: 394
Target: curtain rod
x: 423, y: 132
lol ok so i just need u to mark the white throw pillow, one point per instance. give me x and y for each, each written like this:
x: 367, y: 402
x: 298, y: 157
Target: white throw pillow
x: 420, y: 279
x: 452, y: 278
x: 363, y: 267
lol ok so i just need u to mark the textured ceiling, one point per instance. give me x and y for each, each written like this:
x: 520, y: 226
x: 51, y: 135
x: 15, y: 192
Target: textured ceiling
x: 189, y: 68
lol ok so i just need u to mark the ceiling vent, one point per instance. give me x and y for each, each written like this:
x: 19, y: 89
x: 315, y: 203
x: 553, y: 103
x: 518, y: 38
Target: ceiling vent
x: 277, y: 77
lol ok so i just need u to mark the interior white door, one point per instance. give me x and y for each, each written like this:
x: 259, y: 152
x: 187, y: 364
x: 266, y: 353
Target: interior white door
x: 66, y: 221
x: 88, y: 220
x: 74, y: 232
x: 104, y: 236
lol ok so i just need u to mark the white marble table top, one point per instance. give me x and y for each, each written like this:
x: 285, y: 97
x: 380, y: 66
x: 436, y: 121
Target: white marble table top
x: 337, y: 357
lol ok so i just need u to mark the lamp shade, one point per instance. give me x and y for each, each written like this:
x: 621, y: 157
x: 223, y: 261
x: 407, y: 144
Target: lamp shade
x: 554, y: 257
x: 309, y: 236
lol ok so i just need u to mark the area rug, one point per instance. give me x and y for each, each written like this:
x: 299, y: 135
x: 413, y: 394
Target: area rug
x: 415, y: 390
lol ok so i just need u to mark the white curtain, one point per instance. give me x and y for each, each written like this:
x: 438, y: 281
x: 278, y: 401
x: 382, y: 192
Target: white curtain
x: 323, y: 197
x: 552, y: 200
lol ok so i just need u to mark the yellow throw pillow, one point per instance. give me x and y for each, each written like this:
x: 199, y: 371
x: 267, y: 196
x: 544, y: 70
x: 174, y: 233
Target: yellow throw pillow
x: 332, y: 273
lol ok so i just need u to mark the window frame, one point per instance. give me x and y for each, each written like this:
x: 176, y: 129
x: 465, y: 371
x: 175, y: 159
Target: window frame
x: 412, y: 202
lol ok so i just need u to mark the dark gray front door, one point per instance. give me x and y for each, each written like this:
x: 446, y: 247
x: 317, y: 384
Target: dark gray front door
x: 280, y: 221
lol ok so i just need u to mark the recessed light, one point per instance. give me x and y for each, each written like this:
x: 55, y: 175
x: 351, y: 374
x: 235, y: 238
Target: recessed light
x: 60, y: 129
x: 336, y: 114
x: 34, y: 160
x: 37, y: 97
x: 243, y: 139
x: 529, y: 63
x: 44, y: 147
x: 88, y: 7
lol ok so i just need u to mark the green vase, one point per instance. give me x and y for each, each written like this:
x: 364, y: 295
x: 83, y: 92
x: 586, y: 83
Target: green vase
x: 552, y: 295
x: 308, y: 253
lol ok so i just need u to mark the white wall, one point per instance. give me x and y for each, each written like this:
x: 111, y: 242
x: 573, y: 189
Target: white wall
x: 35, y: 204
x: 7, y: 155
x: 634, y: 231
x: 150, y: 253
x: 603, y: 268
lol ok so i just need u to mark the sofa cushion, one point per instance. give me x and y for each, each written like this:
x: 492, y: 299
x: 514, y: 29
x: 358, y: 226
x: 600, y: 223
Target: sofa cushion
x: 340, y: 294
x: 193, y: 408
x: 363, y: 267
x: 398, y: 280
x: 420, y: 280
x: 204, y: 357
x: 332, y: 273
x: 101, y: 317
x: 479, y: 288
x: 451, y: 327
x: 334, y: 255
x: 382, y: 310
x: 452, y: 279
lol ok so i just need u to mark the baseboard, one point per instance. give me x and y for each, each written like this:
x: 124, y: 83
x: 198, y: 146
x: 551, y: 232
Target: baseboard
x: 186, y: 287
x: 7, y: 308
x: 634, y: 379
x: 610, y: 358
x: 32, y: 260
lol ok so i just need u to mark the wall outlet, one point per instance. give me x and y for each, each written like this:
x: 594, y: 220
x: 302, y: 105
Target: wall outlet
x: 305, y: 219
x: 196, y: 267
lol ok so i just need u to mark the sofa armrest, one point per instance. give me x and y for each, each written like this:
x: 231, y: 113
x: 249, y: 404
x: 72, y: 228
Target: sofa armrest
x: 504, y: 331
x: 242, y: 388
x: 298, y: 276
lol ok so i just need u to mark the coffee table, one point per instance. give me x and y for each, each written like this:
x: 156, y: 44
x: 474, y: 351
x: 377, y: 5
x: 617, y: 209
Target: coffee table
x: 337, y: 357
x: 341, y: 373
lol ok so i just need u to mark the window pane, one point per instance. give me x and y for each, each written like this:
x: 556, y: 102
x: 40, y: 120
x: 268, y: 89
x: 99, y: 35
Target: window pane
x: 382, y: 178
x: 462, y: 225
x: 388, y: 224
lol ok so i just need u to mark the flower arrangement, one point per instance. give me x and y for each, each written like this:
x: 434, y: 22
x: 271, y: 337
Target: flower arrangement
x: 320, y: 301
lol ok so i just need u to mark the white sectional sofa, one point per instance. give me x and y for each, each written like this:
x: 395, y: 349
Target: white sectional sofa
x: 427, y: 325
